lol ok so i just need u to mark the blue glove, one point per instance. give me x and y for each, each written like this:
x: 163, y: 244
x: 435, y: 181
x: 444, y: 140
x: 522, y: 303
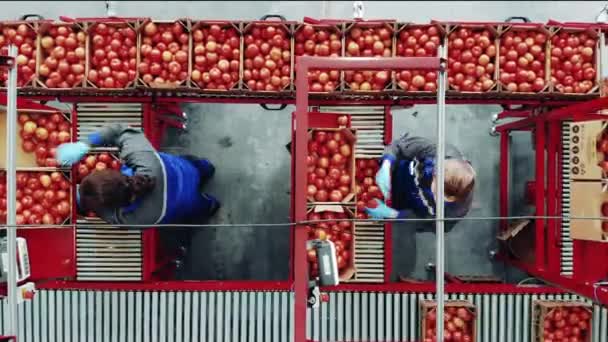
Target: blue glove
x: 383, y: 178
x: 69, y: 154
x: 382, y: 211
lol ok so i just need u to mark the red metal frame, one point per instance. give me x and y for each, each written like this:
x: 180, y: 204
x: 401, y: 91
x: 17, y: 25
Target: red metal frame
x: 587, y: 271
x: 304, y: 64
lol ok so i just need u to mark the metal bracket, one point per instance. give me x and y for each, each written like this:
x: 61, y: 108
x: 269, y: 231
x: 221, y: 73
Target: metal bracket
x: 280, y: 107
x: 358, y: 9
x: 7, y: 61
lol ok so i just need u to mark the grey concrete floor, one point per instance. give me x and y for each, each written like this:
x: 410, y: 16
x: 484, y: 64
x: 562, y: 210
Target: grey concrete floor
x: 252, y: 181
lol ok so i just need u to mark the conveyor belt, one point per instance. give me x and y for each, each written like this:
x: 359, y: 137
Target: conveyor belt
x: 252, y: 316
x: 369, y: 237
x: 92, y: 116
x: 567, y: 246
x: 108, y: 253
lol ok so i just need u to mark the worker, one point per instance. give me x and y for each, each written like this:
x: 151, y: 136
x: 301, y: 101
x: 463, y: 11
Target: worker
x: 151, y: 187
x: 407, y: 176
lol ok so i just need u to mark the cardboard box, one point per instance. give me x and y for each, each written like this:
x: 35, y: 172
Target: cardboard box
x: 586, y: 200
x: 349, y: 271
x: 519, y: 240
x: 430, y: 306
x: 545, y: 309
x: 584, y: 155
x: 349, y: 135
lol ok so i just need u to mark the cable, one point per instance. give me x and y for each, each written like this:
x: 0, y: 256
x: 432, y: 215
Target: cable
x: 302, y: 223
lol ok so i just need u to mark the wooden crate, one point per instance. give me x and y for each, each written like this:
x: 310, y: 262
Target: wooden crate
x: 323, y: 231
x: 300, y: 50
x: 455, y: 32
x: 350, y: 136
x: 199, y: 76
x: 544, y: 311
x: 402, y: 79
x: 541, y: 35
x: 249, y: 29
x: 464, y: 310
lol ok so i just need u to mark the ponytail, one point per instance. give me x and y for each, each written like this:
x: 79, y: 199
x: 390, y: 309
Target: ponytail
x: 111, y: 189
x: 140, y: 185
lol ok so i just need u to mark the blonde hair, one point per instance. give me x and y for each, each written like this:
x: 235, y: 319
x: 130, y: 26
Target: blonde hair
x: 459, y: 178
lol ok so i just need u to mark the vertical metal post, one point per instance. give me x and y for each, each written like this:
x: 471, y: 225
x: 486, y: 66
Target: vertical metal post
x: 11, y: 198
x: 504, y: 178
x: 440, y: 179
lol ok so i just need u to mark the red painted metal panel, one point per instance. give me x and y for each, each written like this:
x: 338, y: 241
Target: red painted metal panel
x: 169, y: 286
x: 504, y: 178
x: 51, y: 252
x: 540, y: 194
x: 553, y: 225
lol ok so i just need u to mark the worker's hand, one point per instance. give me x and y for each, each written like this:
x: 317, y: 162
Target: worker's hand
x: 383, y: 178
x: 382, y: 211
x: 69, y: 154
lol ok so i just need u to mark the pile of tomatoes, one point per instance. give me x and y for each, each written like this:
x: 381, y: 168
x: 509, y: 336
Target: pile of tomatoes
x: 95, y: 162
x: 366, y: 189
x: 337, y: 231
x: 42, y: 198
x: 329, y: 171
x: 566, y: 324
x: 41, y: 134
x: 459, y: 324
x: 24, y: 37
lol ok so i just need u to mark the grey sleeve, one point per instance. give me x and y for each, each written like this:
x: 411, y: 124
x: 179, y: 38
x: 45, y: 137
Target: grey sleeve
x: 409, y: 147
x: 134, y: 148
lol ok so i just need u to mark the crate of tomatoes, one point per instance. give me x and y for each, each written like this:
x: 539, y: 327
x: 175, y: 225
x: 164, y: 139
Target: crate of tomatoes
x: 459, y: 321
x: 574, y: 58
x: 334, y: 225
x: 164, y: 53
x: 472, y: 50
x: 331, y: 165
x: 43, y: 198
x: 417, y: 41
x: 524, y: 58
x: 561, y: 321
x: 268, y: 55
x: 315, y: 38
x: 62, y: 55
x: 38, y: 138
x: 112, y: 53
x: 23, y: 34
x: 216, y: 55
x: 374, y: 38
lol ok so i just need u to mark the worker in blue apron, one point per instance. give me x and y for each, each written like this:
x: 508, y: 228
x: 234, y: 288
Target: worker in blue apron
x: 151, y: 187
x: 407, y: 176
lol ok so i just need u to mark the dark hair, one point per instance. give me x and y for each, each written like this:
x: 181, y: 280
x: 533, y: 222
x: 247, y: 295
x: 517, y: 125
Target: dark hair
x: 112, y: 189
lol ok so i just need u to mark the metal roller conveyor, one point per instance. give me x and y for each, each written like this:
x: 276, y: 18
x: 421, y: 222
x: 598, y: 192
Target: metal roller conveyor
x: 567, y: 246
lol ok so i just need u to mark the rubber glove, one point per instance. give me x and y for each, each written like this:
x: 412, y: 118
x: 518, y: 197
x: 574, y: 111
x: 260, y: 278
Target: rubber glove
x: 382, y: 211
x: 69, y: 154
x: 383, y: 178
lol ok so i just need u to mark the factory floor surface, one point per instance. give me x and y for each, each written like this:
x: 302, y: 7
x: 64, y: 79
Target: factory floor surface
x: 247, y: 146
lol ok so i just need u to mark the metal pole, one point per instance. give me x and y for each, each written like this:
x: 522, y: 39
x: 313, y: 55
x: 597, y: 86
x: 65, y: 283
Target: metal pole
x: 440, y: 179
x: 11, y: 198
